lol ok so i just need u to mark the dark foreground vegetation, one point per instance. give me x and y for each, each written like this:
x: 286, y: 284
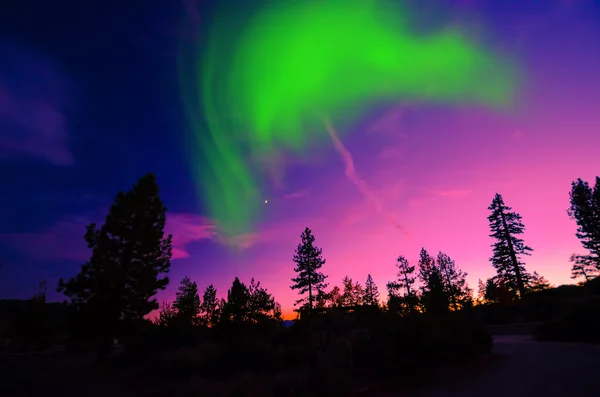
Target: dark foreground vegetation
x: 344, y: 339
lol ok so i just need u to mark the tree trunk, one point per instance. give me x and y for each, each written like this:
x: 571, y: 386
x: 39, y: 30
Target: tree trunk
x: 513, y: 255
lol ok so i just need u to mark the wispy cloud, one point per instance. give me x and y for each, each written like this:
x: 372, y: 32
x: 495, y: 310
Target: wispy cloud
x: 63, y: 240
x: 296, y: 195
x: 186, y: 229
x: 33, y: 97
x: 354, y: 177
x: 389, y: 122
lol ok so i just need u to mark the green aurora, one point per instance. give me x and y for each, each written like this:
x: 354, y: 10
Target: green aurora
x: 267, y: 79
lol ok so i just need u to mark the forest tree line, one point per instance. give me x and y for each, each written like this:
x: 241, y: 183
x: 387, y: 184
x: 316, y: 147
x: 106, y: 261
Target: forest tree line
x: 131, y: 258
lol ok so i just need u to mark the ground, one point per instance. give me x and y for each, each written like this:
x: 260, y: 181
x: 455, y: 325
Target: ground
x: 518, y: 367
x: 523, y: 367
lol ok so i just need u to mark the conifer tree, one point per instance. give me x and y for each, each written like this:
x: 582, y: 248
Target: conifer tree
x: 130, y: 255
x: 309, y: 280
x: 434, y: 294
x: 237, y: 307
x: 278, y: 314
x: 480, y: 292
x: 347, y: 292
x: 357, y: 294
x: 505, y: 226
x: 585, y: 210
x: 166, y: 314
x: 187, y: 303
x: 260, y: 303
x: 371, y: 294
x: 426, y: 266
x: 401, y: 292
x: 210, y: 309
x: 538, y: 283
x: 455, y: 281
x: 335, y: 297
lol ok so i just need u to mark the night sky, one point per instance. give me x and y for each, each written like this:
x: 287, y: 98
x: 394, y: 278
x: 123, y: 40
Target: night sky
x: 90, y: 101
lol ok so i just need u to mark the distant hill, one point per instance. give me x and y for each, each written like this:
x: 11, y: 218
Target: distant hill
x: 288, y: 323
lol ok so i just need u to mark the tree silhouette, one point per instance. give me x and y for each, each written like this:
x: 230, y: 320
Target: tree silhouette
x: 334, y: 297
x: 260, y: 303
x: 505, y: 225
x: 321, y: 299
x: 187, y: 303
x: 348, y: 294
x: 584, y: 266
x: 434, y: 294
x: 129, y: 255
x: 237, y: 307
x: 481, y: 292
x: 585, y: 210
x: 454, y: 280
x: 278, y: 314
x: 538, y: 283
x: 308, y: 259
x: 209, y: 308
x: 166, y: 314
x: 358, y: 292
x: 400, y: 292
x: 371, y: 294
x: 496, y: 291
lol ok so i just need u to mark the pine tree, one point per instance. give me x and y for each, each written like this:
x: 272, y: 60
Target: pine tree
x: 166, y: 314
x: 434, y: 294
x: 400, y: 292
x: 497, y: 291
x: 348, y: 292
x: 538, y: 283
x: 357, y: 294
x: 371, y: 294
x: 237, y: 307
x: 584, y: 266
x: 454, y: 280
x: 321, y: 299
x: 505, y: 225
x: 308, y: 259
x: 481, y: 292
x: 187, y: 303
x: 209, y: 309
x: 278, y: 314
x: 426, y: 266
x: 335, y: 297
x: 260, y: 303
x: 585, y: 210
x: 129, y: 254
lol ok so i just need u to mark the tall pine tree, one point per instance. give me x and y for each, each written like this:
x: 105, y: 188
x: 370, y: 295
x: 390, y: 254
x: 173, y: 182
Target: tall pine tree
x: 371, y: 294
x: 130, y: 255
x: 505, y: 226
x: 585, y: 210
x: 309, y: 260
